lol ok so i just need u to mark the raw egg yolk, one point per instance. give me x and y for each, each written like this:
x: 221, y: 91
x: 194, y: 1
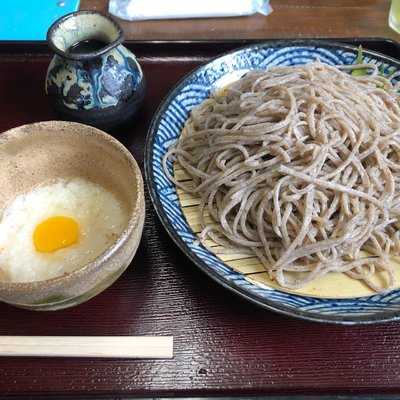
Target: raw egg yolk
x: 55, y: 233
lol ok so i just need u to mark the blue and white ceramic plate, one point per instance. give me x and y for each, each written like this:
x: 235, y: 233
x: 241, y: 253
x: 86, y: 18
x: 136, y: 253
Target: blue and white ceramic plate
x: 166, y: 127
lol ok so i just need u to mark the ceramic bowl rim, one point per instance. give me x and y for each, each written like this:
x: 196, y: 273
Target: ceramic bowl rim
x: 131, y: 224
x: 83, y: 56
x: 383, y: 316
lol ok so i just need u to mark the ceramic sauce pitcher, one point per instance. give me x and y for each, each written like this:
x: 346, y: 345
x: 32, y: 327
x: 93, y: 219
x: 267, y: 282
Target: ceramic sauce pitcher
x: 92, y: 77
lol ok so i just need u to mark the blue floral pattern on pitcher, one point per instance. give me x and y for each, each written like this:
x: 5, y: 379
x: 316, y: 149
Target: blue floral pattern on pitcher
x: 103, y: 87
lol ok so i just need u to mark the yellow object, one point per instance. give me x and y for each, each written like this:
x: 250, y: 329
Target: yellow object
x: 55, y: 233
x: 394, y: 15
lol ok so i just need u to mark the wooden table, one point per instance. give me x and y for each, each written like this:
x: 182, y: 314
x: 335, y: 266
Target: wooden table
x: 290, y: 19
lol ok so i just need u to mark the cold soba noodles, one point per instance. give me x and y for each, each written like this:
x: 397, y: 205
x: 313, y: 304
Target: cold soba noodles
x: 299, y: 166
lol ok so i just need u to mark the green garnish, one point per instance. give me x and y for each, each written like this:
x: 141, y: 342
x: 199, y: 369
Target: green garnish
x: 359, y: 60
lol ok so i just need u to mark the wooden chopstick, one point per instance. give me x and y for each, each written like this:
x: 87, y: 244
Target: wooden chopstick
x: 87, y: 346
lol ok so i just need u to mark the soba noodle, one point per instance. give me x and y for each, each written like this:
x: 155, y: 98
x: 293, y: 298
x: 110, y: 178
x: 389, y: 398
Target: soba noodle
x: 299, y: 166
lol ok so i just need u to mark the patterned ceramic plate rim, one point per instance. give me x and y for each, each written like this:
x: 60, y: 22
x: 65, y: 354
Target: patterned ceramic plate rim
x: 378, y: 317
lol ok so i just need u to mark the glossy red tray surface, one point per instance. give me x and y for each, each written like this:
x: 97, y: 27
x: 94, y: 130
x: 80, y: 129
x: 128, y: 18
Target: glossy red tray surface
x: 224, y: 345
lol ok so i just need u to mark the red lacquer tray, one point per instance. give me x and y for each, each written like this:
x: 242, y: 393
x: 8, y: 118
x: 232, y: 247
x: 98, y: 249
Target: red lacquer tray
x: 224, y: 345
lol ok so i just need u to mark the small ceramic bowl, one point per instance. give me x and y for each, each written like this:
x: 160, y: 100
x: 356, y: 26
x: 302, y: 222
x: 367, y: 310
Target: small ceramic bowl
x: 34, y: 154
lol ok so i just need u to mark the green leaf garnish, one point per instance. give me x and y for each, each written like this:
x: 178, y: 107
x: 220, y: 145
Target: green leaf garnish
x: 359, y: 60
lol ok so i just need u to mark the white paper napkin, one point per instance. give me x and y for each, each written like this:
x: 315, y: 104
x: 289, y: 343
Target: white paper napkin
x: 136, y: 10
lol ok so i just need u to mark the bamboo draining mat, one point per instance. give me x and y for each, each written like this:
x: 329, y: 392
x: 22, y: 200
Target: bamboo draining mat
x: 332, y: 285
